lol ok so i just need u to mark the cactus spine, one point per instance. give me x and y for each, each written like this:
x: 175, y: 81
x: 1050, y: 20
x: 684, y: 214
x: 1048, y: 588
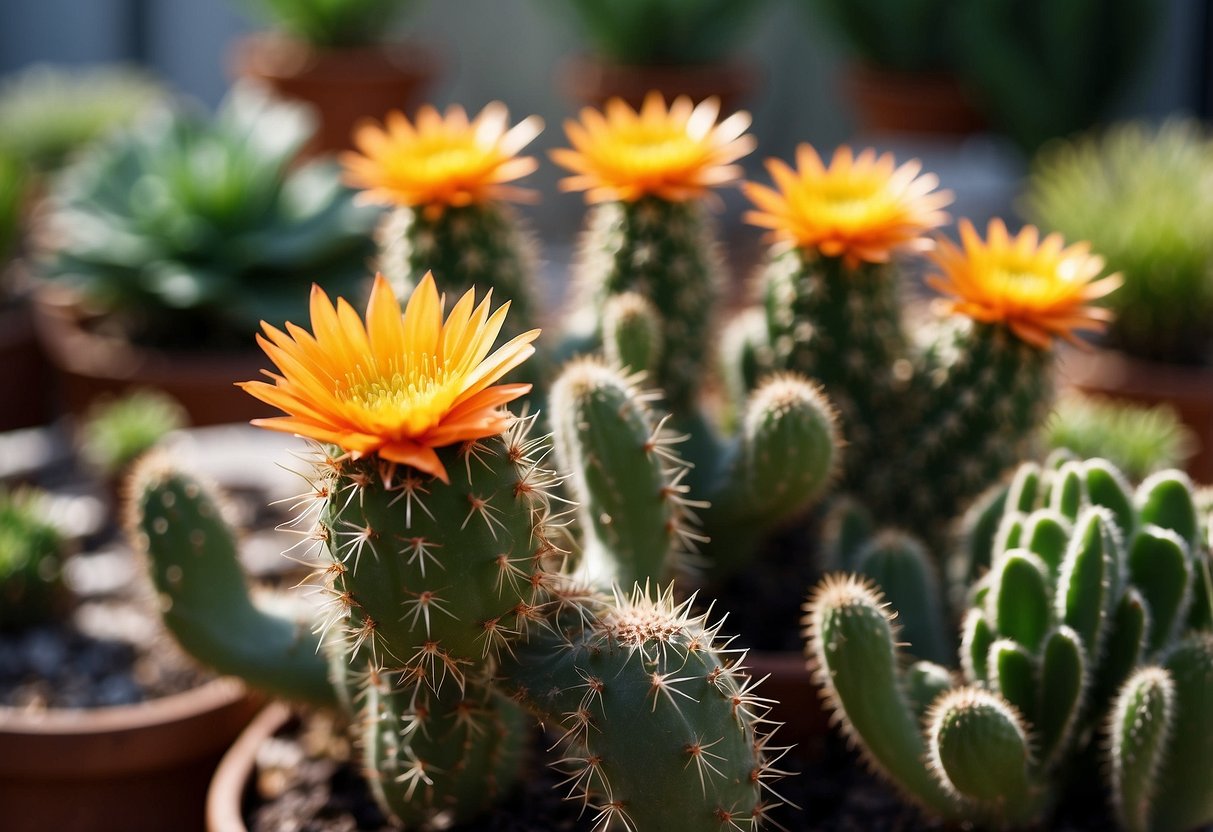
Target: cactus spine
x: 1056, y: 650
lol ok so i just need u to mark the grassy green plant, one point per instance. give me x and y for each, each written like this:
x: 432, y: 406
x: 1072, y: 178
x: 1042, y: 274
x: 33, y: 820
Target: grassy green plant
x: 662, y: 32
x: 333, y: 24
x: 1138, y: 440
x: 49, y: 112
x: 1144, y: 198
x: 117, y: 431
x: 31, y: 552
x: 190, y: 230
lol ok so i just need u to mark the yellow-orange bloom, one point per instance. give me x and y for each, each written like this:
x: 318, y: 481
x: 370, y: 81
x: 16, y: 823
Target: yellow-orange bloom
x: 442, y: 161
x: 402, y: 384
x: 675, y: 154
x: 1039, y: 288
x: 861, y: 209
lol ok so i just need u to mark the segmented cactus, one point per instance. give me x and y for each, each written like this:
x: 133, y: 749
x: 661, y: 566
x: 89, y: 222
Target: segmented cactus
x: 31, y: 552
x: 435, y: 545
x: 933, y: 417
x: 1079, y: 636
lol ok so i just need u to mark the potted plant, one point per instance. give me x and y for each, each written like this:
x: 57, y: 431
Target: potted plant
x: 671, y: 46
x: 71, y: 756
x: 334, y: 55
x: 452, y: 606
x: 164, y: 246
x: 48, y: 113
x: 1142, y: 196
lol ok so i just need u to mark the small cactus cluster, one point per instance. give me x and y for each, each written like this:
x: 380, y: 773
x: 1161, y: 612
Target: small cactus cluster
x: 933, y: 414
x: 31, y: 552
x: 648, y: 280
x: 456, y: 602
x: 1089, y: 637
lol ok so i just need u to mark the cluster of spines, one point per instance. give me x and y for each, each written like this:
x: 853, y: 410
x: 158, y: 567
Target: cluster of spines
x: 1087, y: 584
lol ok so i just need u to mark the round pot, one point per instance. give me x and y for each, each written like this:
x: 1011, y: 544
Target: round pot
x: 225, y: 797
x: 139, y: 768
x: 897, y: 102
x: 91, y: 366
x: 23, y: 371
x: 344, y: 85
x: 592, y: 81
x: 1187, y: 389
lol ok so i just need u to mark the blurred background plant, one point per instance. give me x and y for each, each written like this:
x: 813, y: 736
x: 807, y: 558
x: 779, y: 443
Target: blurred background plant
x: 13, y: 179
x: 115, y: 432
x: 1143, y: 197
x: 899, y: 35
x: 1137, y: 440
x: 188, y: 231
x: 333, y: 24
x: 31, y: 549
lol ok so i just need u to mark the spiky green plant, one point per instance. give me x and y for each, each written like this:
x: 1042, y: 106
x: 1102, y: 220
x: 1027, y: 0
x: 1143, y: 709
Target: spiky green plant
x: 1087, y: 636
x: 333, y: 24
x: 1138, y: 440
x: 191, y: 230
x: 448, y: 608
x: 51, y: 112
x: 31, y: 554
x: 115, y: 432
x: 1141, y: 195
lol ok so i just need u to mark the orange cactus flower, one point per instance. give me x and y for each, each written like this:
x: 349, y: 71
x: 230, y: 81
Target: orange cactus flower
x: 676, y: 154
x: 399, y: 386
x: 1041, y: 289
x: 861, y: 209
x: 443, y: 160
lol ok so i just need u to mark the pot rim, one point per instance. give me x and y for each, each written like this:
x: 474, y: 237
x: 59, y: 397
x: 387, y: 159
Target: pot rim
x: 223, y: 797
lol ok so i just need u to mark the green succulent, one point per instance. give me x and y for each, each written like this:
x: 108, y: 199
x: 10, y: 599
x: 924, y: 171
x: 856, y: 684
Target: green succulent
x: 115, y: 432
x: 662, y: 32
x: 905, y: 35
x: 1143, y: 197
x: 48, y: 112
x: 333, y: 24
x: 30, y: 561
x: 1138, y: 440
x: 189, y: 231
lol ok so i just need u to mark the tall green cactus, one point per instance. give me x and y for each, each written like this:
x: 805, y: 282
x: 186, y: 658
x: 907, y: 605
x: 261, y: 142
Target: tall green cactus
x: 1076, y: 634
x: 441, y: 564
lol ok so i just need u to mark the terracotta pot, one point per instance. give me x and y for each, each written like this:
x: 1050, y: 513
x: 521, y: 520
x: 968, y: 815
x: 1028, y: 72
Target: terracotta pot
x: 225, y: 797
x: 591, y: 81
x: 344, y: 85
x: 139, y: 768
x: 89, y: 366
x: 894, y: 102
x: 1187, y: 389
x: 24, y: 373
x: 804, y: 719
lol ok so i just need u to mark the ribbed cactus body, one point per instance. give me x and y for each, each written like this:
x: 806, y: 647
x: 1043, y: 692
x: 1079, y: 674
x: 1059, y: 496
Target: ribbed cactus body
x: 841, y: 327
x: 657, y: 729
x: 1056, y: 650
x: 665, y: 252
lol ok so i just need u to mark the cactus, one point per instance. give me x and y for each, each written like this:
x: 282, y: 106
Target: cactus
x: 1078, y: 639
x: 955, y: 402
x: 31, y: 553
x: 116, y: 432
x: 429, y: 524
x: 447, y: 181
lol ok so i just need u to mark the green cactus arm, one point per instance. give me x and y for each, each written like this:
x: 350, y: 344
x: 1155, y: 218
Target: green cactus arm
x: 975, y: 640
x: 1013, y: 675
x: 657, y: 731
x: 846, y: 528
x: 1067, y: 492
x: 1046, y: 534
x: 979, y: 527
x: 851, y: 641
x: 1019, y: 603
x: 1125, y: 646
x: 1165, y: 500
x: 1106, y: 486
x: 979, y: 750
x: 1160, y: 568
x: 1025, y: 488
x: 924, y: 682
x: 1184, y: 799
x: 905, y: 573
x: 177, y: 523
x: 1063, y: 682
x: 623, y: 473
x: 1139, y: 728
x: 631, y: 333
x: 1085, y: 582
x: 1009, y: 535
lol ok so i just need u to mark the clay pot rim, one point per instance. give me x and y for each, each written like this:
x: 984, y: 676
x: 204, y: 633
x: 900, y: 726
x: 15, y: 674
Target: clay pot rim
x: 224, y: 797
x: 1138, y: 376
x: 276, y: 55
